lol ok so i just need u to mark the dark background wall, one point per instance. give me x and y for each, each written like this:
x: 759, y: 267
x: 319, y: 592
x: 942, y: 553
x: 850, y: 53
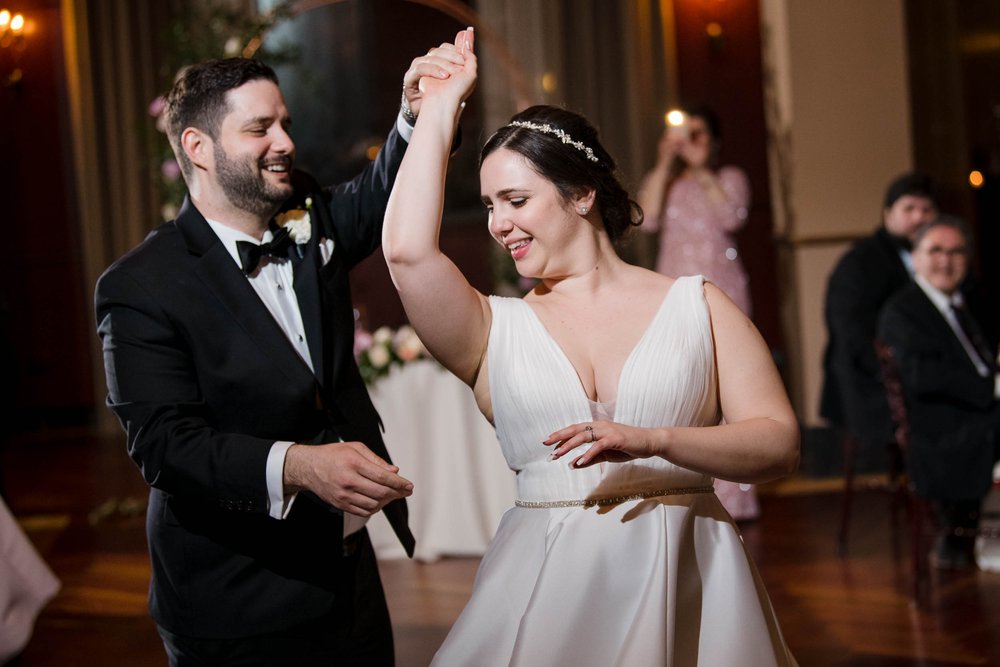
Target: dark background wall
x: 41, y: 288
x: 954, y: 51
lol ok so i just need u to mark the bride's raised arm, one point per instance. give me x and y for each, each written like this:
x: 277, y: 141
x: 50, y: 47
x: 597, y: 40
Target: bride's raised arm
x: 450, y: 316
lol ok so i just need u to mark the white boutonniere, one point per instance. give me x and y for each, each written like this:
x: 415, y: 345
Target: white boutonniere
x: 297, y: 222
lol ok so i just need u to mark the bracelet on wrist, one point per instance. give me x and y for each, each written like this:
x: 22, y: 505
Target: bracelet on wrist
x: 404, y: 108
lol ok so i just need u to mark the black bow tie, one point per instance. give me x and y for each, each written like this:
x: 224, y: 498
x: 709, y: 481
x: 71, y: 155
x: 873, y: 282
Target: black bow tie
x: 251, y: 253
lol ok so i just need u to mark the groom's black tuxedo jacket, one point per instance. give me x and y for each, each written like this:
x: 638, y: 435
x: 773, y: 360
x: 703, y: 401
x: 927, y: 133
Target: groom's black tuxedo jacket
x: 950, y: 407
x: 204, y: 381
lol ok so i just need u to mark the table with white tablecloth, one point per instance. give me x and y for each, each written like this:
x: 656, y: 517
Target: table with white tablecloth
x: 443, y: 444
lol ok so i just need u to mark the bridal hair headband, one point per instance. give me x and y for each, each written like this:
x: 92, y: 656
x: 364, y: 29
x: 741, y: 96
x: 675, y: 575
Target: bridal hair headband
x: 555, y: 131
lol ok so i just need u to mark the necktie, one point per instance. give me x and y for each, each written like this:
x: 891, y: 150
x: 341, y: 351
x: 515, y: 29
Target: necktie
x: 251, y: 253
x: 975, y: 335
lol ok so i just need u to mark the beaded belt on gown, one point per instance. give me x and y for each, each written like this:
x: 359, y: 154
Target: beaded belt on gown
x: 592, y: 502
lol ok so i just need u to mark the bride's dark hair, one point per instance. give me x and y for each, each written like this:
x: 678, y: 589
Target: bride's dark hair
x: 569, y: 154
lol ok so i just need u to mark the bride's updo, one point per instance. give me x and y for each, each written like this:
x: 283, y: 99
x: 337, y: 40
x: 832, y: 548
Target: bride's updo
x: 562, y: 147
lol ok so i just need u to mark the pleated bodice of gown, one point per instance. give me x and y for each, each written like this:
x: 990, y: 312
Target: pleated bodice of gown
x: 658, y: 580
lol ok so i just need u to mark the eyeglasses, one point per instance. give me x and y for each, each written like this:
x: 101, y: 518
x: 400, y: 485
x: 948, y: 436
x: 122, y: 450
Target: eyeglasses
x: 950, y: 253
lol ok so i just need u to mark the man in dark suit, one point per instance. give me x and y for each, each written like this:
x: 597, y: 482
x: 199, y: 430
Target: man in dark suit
x: 853, y: 398
x: 228, y: 341
x: 947, y: 365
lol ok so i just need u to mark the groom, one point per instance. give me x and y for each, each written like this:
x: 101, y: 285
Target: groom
x: 228, y: 345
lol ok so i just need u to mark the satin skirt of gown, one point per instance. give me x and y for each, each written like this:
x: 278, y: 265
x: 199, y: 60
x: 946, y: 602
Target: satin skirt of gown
x: 661, y: 578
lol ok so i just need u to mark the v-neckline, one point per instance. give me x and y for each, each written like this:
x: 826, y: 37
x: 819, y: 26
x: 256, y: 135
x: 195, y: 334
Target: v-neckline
x: 561, y: 353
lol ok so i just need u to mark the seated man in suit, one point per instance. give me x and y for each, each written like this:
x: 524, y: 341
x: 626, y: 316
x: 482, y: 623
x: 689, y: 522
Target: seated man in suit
x: 948, y: 367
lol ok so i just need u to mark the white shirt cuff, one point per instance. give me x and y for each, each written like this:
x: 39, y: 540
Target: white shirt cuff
x: 405, y: 129
x: 278, y: 503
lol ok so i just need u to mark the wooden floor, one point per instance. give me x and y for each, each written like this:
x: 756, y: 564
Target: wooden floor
x: 80, y: 499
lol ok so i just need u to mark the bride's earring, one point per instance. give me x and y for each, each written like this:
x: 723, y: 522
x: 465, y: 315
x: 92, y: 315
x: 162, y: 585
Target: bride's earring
x: 583, y: 210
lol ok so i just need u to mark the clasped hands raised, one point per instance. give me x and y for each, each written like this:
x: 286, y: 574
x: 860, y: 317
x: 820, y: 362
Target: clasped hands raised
x: 448, y: 70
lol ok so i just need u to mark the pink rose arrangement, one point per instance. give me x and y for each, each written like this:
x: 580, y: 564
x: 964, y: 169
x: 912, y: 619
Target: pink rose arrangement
x: 376, y: 353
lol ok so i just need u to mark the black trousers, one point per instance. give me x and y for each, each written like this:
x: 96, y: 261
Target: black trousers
x: 356, y: 632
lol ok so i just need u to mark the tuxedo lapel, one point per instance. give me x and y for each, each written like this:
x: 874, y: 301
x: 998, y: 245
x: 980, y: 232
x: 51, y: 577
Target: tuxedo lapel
x: 306, y: 284
x: 220, y: 275
x: 323, y: 291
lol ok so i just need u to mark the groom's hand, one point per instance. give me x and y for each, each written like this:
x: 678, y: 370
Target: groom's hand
x: 439, y: 63
x: 347, y: 475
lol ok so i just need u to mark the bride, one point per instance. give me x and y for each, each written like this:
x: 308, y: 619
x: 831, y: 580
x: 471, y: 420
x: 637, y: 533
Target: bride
x: 608, y: 386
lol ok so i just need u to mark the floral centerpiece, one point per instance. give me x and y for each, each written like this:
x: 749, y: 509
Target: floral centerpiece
x: 376, y: 353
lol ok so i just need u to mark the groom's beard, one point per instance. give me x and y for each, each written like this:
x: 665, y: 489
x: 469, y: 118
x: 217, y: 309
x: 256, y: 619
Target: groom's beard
x: 244, y: 185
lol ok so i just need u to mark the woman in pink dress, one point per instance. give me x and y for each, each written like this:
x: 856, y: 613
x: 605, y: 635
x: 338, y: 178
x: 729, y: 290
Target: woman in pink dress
x: 697, y: 209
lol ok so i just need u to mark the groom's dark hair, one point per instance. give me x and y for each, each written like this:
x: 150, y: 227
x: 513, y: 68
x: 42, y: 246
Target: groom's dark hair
x: 198, y: 98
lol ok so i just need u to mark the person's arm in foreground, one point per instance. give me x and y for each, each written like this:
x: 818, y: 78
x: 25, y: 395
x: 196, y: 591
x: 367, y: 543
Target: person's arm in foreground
x: 450, y: 316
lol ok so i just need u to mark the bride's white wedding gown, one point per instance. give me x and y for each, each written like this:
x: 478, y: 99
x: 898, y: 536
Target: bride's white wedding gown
x: 659, y: 579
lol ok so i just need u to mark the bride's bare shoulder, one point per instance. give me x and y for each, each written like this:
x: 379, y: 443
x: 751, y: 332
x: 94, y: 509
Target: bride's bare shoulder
x: 649, y: 281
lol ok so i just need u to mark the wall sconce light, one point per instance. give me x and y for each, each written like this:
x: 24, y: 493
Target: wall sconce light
x: 715, y: 35
x: 12, y: 45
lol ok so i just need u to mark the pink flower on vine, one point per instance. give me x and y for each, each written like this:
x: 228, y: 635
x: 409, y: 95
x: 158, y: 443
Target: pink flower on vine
x: 171, y: 170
